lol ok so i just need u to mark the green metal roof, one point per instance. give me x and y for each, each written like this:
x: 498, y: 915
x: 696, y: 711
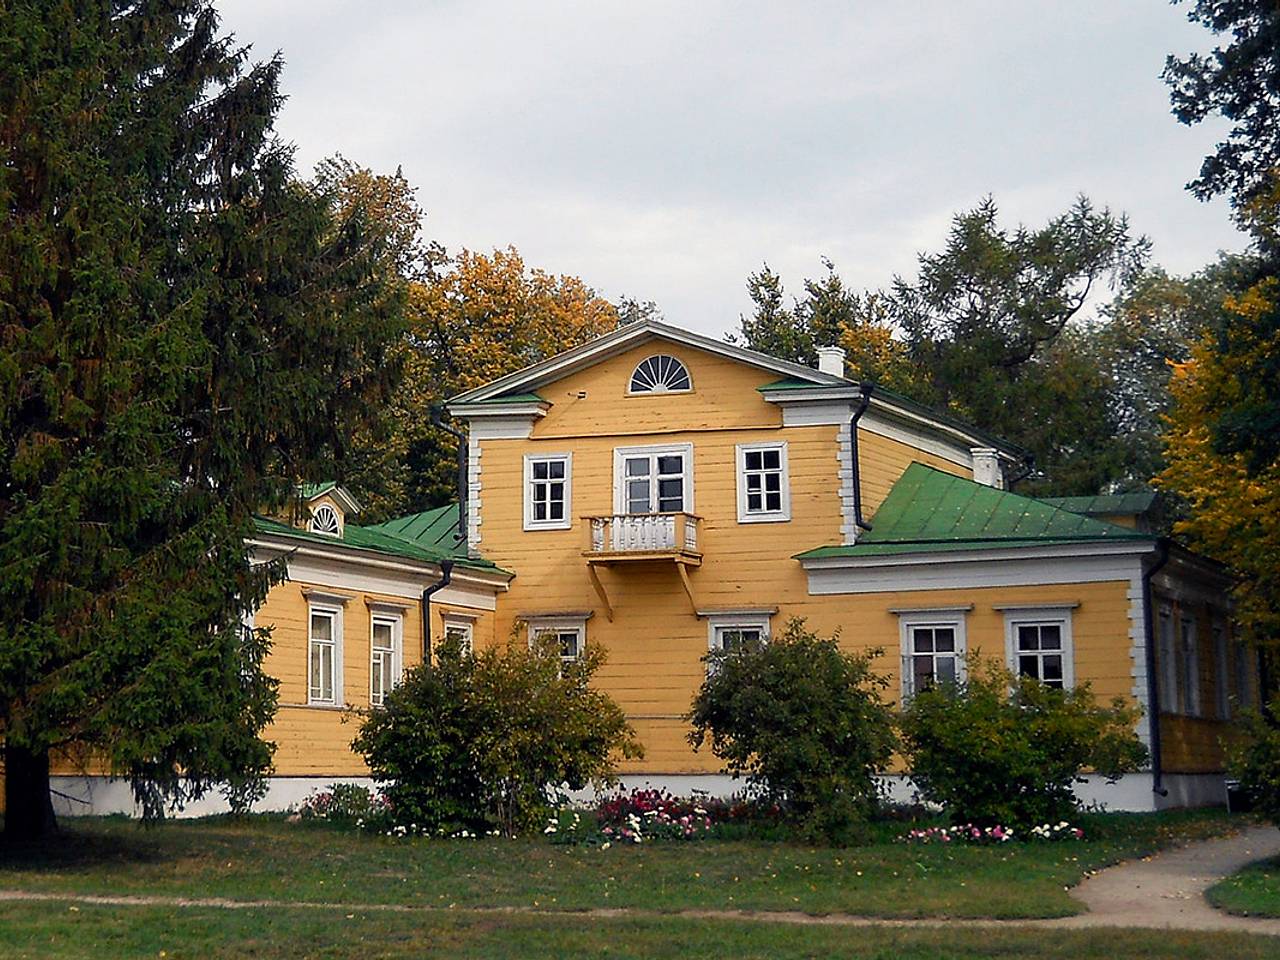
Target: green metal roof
x: 436, y: 529
x: 311, y: 490
x: 1107, y: 504
x: 377, y: 540
x: 928, y: 511
x: 515, y: 398
x: 792, y: 383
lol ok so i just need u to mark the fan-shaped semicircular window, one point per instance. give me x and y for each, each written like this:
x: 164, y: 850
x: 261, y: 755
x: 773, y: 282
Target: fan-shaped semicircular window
x: 325, y: 520
x: 660, y: 374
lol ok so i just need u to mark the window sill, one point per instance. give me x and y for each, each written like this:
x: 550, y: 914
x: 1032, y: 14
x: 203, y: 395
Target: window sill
x: 764, y: 518
x: 332, y: 707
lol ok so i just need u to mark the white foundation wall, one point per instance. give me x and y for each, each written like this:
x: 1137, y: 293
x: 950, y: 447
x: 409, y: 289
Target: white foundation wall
x: 99, y: 796
x: 1133, y: 793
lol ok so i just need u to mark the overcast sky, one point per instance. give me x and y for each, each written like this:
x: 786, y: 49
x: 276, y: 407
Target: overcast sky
x: 665, y: 150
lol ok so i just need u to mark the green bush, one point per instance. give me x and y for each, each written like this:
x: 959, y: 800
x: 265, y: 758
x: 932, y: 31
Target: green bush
x: 483, y: 742
x: 803, y: 721
x: 999, y: 749
x: 347, y: 804
x: 1255, y: 760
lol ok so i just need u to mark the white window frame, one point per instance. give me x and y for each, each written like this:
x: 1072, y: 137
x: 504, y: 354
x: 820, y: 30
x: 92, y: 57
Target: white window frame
x: 559, y: 625
x: 337, y: 521
x: 1188, y: 645
x: 717, y: 625
x: 396, y: 622
x: 1046, y: 616
x: 620, y: 455
x: 664, y: 391
x: 1167, y: 660
x: 465, y: 623
x: 954, y: 618
x: 335, y: 612
x: 567, y: 520
x: 1221, y: 668
x: 780, y: 515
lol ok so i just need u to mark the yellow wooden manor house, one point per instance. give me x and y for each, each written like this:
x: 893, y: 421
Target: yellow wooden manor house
x: 661, y: 494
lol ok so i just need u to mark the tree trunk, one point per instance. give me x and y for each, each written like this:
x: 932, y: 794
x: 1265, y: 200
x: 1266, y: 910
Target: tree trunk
x: 28, y: 807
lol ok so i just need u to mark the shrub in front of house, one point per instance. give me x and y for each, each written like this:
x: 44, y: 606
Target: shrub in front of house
x: 346, y: 804
x: 485, y: 742
x: 803, y: 721
x: 1255, y: 760
x: 999, y: 749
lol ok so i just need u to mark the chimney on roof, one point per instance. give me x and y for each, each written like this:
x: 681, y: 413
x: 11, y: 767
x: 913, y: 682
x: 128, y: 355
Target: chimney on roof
x: 986, y: 467
x: 831, y: 360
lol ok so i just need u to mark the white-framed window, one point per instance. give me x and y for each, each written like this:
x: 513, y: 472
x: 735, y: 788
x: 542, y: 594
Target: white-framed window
x: 548, y: 491
x: 933, y: 647
x: 1167, y: 665
x: 1038, y: 644
x: 735, y: 631
x: 657, y: 479
x: 461, y: 628
x: 1221, y: 671
x: 386, y: 655
x: 660, y: 373
x: 324, y: 654
x: 764, y: 487
x: 1189, y: 651
x: 325, y: 520
x: 569, y: 634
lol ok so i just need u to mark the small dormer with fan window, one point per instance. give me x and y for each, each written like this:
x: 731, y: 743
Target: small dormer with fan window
x: 326, y: 508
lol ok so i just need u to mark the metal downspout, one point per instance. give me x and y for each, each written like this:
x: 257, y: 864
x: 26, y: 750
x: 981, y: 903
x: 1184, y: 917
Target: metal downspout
x: 446, y: 577
x: 865, y: 390
x: 1153, y: 686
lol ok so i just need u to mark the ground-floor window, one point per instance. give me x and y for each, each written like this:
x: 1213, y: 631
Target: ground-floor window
x: 567, y: 633
x: 460, y: 629
x: 324, y: 655
x: 1038, y: 644
x: 933, y: 647
x: 385, y: 656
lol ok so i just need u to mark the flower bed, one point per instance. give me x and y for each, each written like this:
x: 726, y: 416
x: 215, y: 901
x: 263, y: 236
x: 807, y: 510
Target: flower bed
x: 969, y: 833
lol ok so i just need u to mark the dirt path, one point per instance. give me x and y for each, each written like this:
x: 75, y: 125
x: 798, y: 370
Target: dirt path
x: 1163, y: 891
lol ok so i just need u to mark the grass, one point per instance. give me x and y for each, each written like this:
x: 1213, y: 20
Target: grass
x: 1253, y: 892
x: 61, y: 931
x: 269, y: 859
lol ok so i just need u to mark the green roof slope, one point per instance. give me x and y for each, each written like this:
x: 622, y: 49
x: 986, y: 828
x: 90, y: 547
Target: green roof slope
x: 929, y: 510
x: 378, y: 540
x: 436, y: 529
x: 1106, y: 503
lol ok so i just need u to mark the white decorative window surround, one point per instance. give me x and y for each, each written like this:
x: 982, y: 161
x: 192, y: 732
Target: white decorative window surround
x: 660, y: 373
x: 386, y: 655
x: 732, y: 630
x: 933, y: 646
x: 548, y: 491
x: 325, y: 520
x: 1038, y: 644
x: 461, y: 627
x: 1167, y: 662
x: 569, y: 632
x: 1221, y: 671
x: 653, y: 479
x: 324, y: 653
x: 764, y: 485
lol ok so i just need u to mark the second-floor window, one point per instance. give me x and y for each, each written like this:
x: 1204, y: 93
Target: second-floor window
x: 654, y: 479
x: 547, y: 497
x: 763, y: 489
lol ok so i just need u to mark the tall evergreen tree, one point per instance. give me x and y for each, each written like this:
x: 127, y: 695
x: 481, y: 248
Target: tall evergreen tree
x: 184, y: 333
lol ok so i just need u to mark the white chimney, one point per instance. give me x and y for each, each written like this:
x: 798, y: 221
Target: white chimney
x: 986, y: 467
x: 831, y: 360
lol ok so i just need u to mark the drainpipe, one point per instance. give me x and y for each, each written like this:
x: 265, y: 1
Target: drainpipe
x: 1025, y: 469
x: 1153, y: 687
x: 865, y: 400
x: 446, y: 576
x: 438, y: 419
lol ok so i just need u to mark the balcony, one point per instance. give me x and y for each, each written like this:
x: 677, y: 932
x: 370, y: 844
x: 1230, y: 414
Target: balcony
x: 628, y: 538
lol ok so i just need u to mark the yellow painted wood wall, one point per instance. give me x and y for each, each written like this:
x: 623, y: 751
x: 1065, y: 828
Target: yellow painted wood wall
x: 655, y: 643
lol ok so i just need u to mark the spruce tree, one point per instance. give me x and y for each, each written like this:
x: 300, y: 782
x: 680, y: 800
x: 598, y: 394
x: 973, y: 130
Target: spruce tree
x: 185, y: 332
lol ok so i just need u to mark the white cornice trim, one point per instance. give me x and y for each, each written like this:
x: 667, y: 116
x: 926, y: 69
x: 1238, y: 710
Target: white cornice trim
x: 949, y: 557
x: 536, y: 409
x: 624, y: 338
x: 492, y: 580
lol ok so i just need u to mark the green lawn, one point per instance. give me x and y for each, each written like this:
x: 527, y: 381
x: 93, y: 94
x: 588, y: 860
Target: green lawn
x: 1253, y: 892
x: 266, y: 858
x: 61, y: 931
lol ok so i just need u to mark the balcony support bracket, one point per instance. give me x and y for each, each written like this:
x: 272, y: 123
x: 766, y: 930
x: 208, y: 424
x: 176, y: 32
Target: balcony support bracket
x: 688, y: 587
x: 594, y: 574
